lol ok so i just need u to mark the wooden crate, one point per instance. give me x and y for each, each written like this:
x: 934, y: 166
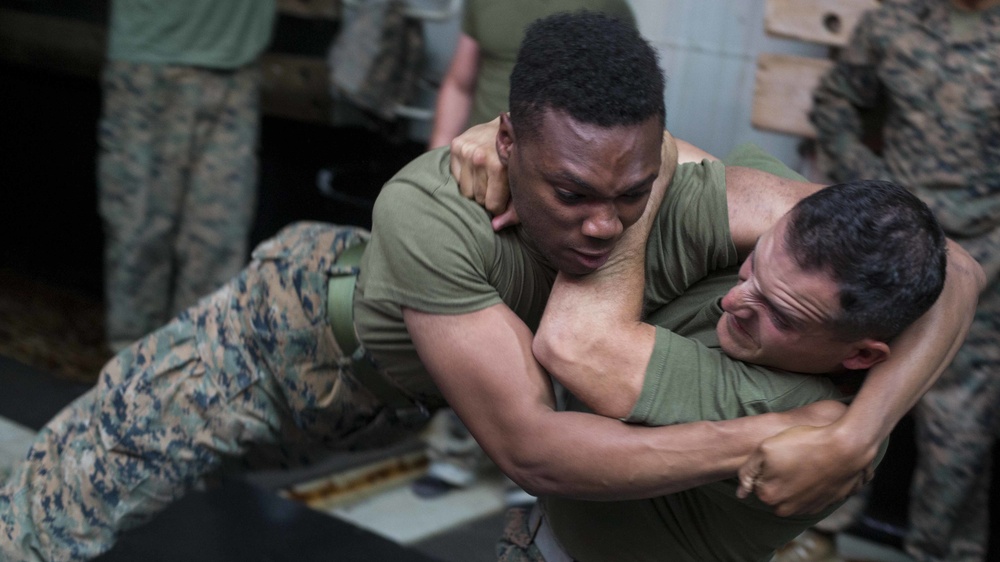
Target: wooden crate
x: 783, y: 92
x: 827, y: 22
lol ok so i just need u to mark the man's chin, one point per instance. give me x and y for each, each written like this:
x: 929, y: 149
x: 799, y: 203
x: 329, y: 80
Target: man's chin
x: 729, y: 347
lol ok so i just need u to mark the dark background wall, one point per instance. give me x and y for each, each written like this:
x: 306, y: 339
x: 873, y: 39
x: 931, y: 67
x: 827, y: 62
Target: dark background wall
x: 48, y: 151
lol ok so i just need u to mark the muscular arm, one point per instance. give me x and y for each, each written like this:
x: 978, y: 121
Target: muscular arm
x: 836, y: 454
x: 592, y: 341
x: 591, y: 338
x: 454, y: 100
x: 505, y: 399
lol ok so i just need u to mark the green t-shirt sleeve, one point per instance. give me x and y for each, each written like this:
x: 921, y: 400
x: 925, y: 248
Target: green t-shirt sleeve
x: 431, y: 249
x: 687, y: 381
x: 690, y: 237
x: 749, y: 155
x: 468, y: 17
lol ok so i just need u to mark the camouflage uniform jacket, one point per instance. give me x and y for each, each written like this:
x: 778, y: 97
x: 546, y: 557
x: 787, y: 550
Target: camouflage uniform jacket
x: 938, y: 70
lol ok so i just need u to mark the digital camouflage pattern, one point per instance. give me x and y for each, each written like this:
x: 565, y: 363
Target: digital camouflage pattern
x: 957, y: 425
x: 251, y: 371
x: 177, y: 173
x: 941, y: 79
x: 518, y: 541
x: 937, y: 71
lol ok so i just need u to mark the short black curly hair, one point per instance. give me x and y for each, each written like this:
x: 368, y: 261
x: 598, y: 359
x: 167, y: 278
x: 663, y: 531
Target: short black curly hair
x: 593, y: 67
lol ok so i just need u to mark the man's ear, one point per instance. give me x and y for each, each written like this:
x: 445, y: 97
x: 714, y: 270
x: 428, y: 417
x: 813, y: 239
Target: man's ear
x: 868, y: 352
x: 505, y: 138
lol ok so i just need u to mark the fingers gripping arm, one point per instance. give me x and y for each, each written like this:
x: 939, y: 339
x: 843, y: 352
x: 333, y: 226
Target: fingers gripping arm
x: 505, y: 399
x: 481, y: 177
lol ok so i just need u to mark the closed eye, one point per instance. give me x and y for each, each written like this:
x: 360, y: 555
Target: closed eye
x: 635, y: 194
x: 568, y: 196
x: 779, y: 321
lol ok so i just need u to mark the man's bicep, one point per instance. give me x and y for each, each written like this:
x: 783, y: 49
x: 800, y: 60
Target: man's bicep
x: 483, y: 365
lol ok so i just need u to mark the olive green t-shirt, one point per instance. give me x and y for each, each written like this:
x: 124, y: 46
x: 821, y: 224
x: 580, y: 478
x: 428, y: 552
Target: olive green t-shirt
x: 433, y: 250
x: 223, y: 34
x: 498, y: 27
x: 689, y: 378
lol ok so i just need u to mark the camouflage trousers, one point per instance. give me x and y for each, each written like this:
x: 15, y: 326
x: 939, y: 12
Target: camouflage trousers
x: 177, y: 176
x: 250, y: 375
x: 957, y: 424
x: 518, y: 541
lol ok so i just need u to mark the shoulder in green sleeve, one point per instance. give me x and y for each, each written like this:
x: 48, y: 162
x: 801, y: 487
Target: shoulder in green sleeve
x: 749, y: 155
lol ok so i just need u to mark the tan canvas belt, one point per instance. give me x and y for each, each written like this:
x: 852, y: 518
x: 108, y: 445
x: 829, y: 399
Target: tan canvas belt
x: 340, y: 315
x: 545, y: 540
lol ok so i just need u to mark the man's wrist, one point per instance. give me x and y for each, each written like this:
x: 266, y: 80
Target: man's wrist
x: 854, y: 443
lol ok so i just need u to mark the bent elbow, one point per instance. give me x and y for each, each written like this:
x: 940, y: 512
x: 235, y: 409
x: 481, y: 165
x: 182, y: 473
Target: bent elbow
x: 559, y: 351
x: 532, y: 477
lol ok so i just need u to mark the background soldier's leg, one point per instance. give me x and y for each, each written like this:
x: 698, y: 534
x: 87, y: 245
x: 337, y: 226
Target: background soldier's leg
x: 143, y: 139
x: 220, y: 200
x: 956, y: 425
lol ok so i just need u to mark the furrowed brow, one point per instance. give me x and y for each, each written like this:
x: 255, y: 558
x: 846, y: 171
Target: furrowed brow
x: 567, y: 177
x: 777, y: 311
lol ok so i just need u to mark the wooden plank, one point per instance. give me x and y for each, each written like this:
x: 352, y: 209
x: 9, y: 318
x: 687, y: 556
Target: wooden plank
x: 313, y: 9
x: 828, y: 22
x: 352, y: 485
x: 783, y: 93
x: 52, y: 43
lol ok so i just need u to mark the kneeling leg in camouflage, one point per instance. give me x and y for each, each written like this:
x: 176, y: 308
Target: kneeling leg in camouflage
x: 251, y: 368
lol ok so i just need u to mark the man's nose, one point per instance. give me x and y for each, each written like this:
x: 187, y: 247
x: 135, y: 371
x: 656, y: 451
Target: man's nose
x: 603, y: 223
x: 734, y: 302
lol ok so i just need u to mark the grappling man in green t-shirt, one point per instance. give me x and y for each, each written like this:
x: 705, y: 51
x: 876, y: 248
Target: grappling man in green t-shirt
x: 444, y: 310
x: 824, y: 292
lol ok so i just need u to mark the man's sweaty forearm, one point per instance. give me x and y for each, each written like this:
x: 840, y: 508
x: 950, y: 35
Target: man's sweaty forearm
x: 591, y: 337
x: 591, y: 457
x: 505, y: 399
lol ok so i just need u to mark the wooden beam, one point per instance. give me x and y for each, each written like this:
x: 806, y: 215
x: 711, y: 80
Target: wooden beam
x: 354, y: 484
x: 827, y: 22
x: 783, y: 93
